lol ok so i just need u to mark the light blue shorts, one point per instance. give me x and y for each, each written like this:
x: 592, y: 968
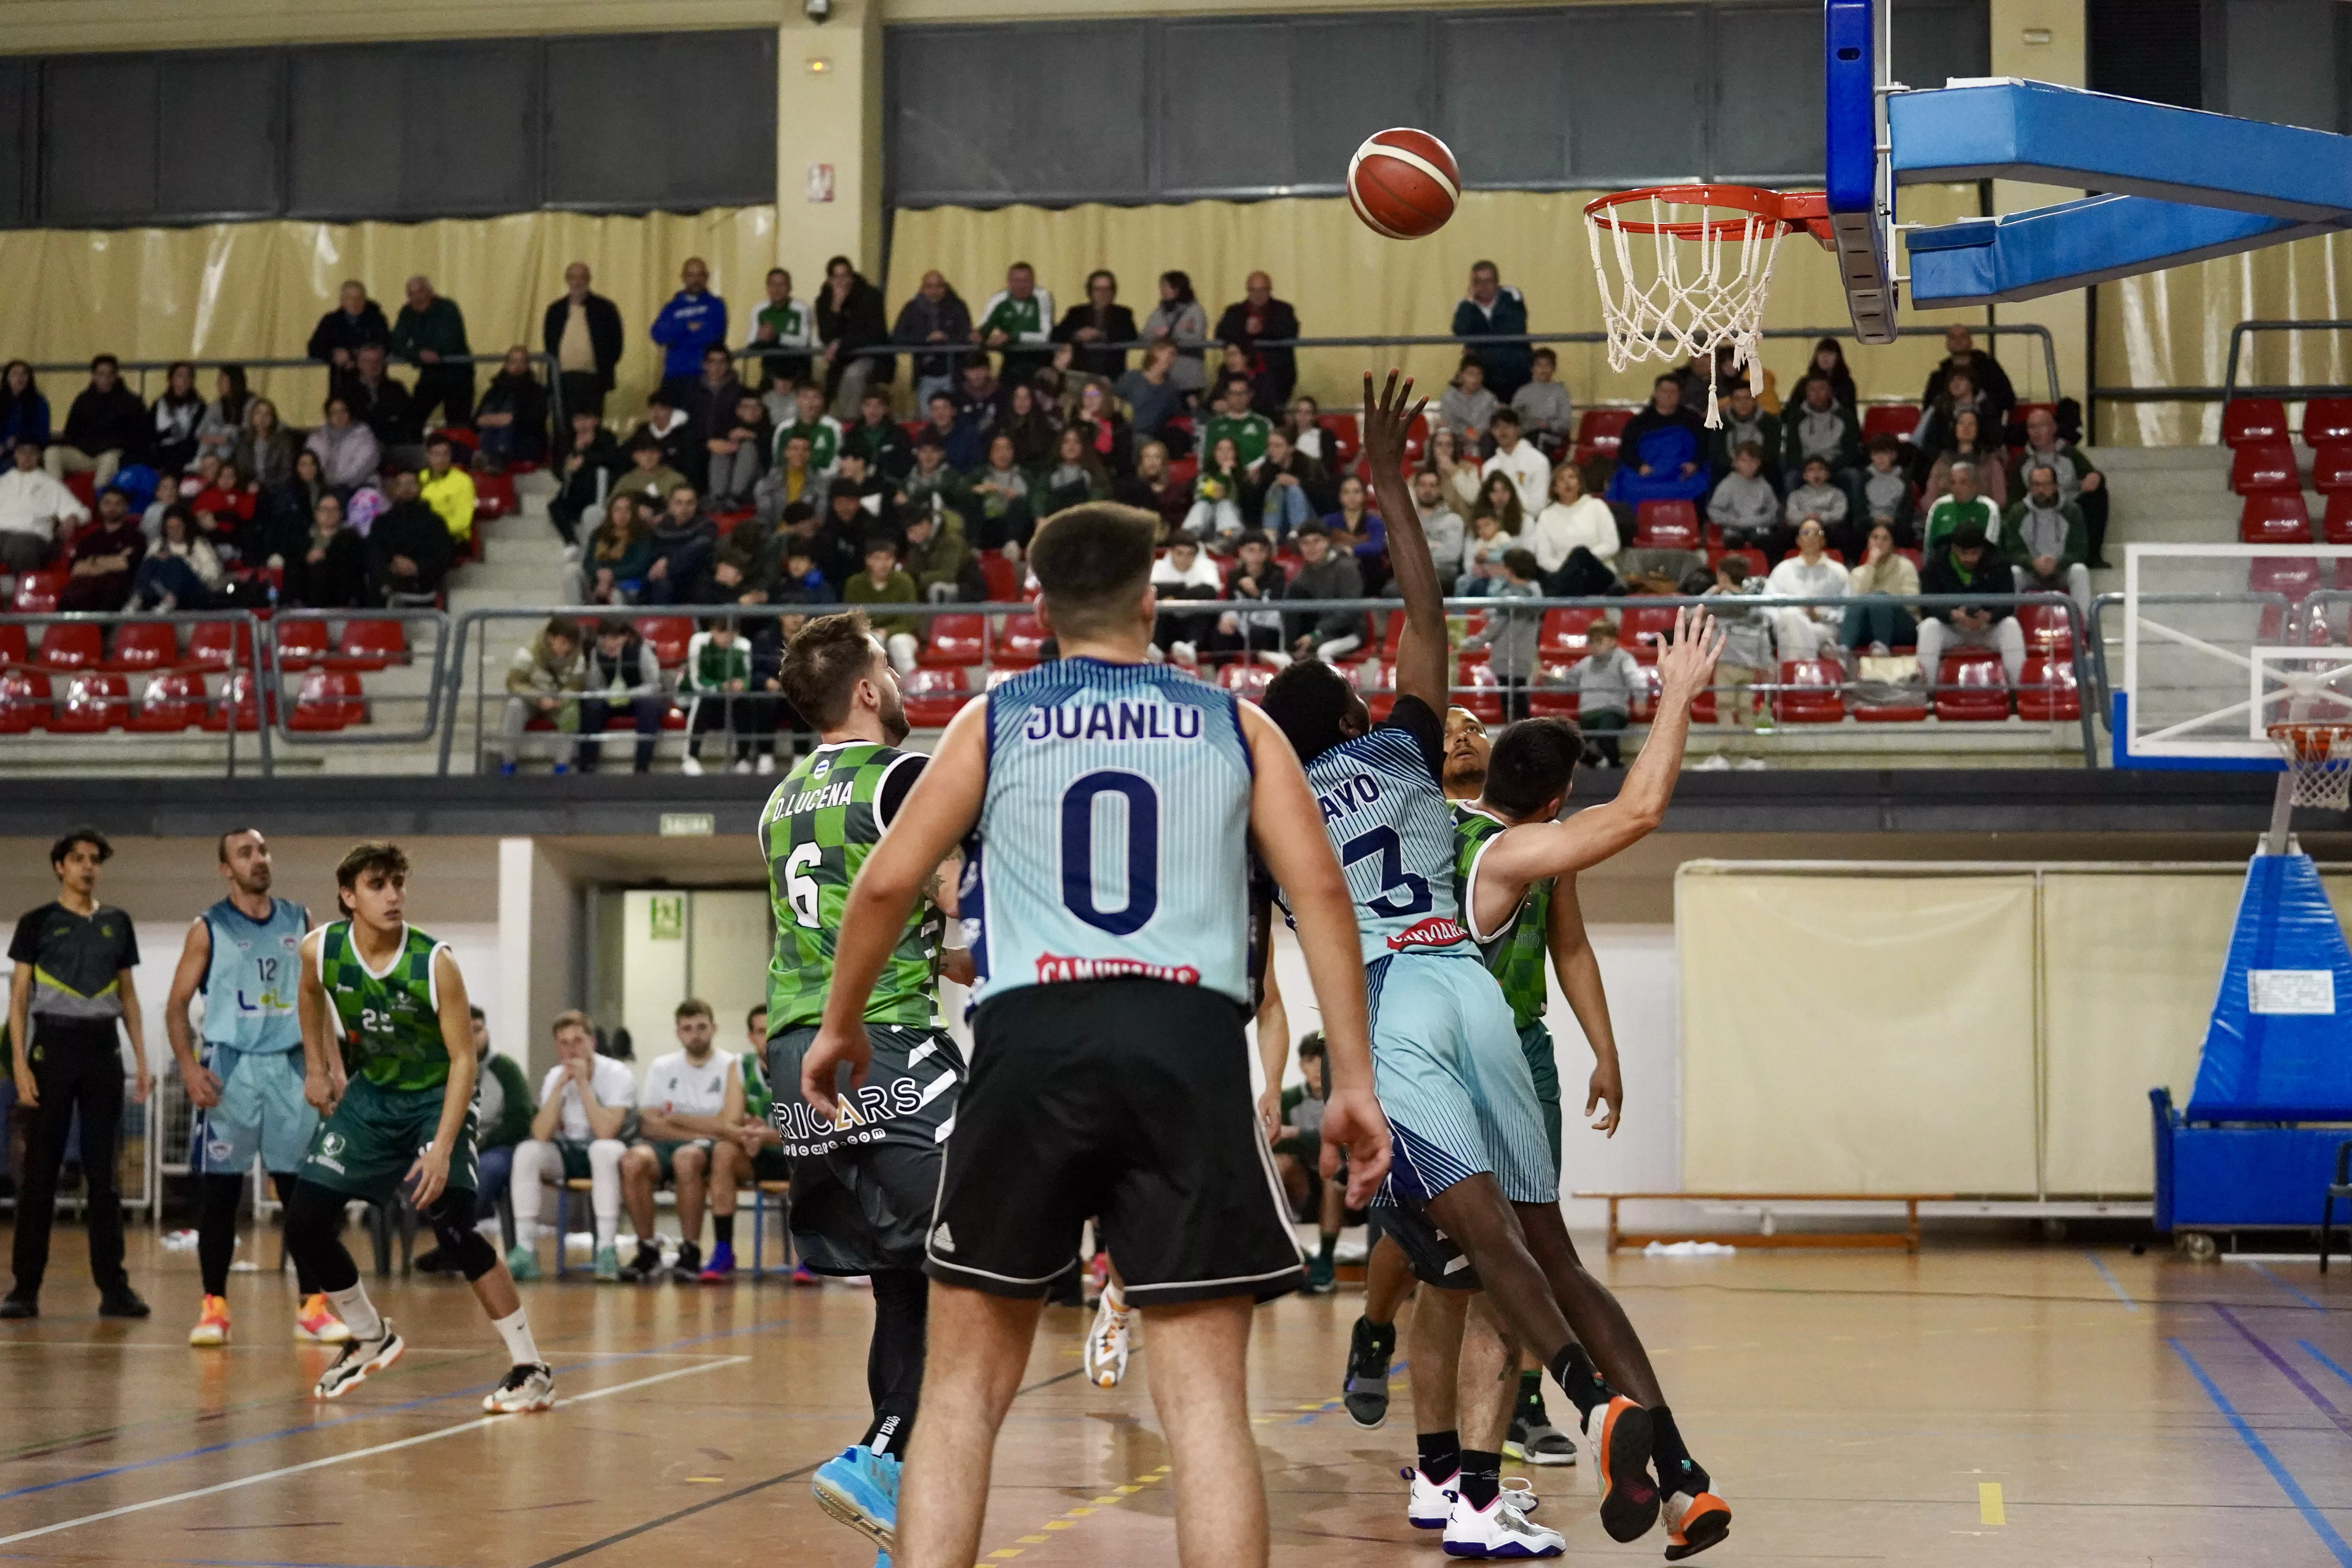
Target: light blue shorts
x: 1453, y: 1081
x: 261, y: 1111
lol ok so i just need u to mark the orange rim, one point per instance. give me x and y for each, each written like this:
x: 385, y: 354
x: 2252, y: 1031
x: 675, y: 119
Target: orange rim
x: 2306, y: 741
x: 1781, y: 211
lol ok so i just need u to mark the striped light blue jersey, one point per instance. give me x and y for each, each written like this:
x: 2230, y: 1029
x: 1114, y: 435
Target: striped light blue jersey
x: 1114, y: 833
x: 256, y: 969
x: 1393, y: 829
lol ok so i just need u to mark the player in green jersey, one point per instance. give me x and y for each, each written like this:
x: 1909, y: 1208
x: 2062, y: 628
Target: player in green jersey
x: 389, y: 1060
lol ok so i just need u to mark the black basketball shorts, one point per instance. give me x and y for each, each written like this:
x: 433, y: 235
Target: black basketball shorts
x: 863, y: 1181
x: 1127, y: 1101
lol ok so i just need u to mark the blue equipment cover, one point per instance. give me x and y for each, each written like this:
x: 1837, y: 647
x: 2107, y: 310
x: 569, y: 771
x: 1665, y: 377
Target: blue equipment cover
x: 2072, y: 244
x: 2280, y: 1045
x: 2224, y: 1177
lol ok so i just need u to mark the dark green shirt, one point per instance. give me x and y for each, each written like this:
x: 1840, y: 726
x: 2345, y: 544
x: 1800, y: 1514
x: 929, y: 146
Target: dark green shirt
x: 391, y: 1023
x: 440, y: 327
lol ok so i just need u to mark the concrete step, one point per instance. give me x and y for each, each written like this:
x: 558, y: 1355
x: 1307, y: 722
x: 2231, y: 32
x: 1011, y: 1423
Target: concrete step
x: 2131, y: 459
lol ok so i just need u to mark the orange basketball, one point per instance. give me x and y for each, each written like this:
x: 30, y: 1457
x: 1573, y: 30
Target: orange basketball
x: 1403, y: 184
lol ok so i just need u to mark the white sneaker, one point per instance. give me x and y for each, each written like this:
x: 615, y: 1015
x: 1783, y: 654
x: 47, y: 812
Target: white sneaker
x: 525, y: 1388
x: 1751, y: 765
x: 691, y: 767
x: 360, y: 1359
x: 742, y: 765
x: 1107, y: 1344
x: 1716, y: 763
x: 1501, y: 1529
x: 764, y: 765
x: 1430, y: 1503
x: 571, y: 556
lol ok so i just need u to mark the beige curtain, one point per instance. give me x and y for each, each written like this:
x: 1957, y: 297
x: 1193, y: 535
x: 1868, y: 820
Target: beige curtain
x: 254, y: 290
x: 1346, y: 281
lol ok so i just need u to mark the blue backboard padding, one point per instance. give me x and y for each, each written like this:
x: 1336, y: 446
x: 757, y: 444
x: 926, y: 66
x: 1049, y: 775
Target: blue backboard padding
x: 2061, y: 136
x: 2119, y: 731
x: 2047, y: 250
x: 1849, y: 75
x: 2278, y: 1067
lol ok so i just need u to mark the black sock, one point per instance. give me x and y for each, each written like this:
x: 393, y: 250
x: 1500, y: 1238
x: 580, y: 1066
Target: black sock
x: 216, y: 1201
x: 1531, y: 1405
x: 722, y: 1229
x: 1329, y: 1242
x: 1441, y: 1453
x: 283, y: 1181
x: 1482, y: 1477
x: 1677, y: 1471
x: 1577, y: 1377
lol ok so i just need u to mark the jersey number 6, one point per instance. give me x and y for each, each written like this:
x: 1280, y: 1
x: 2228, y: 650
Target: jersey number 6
x: 800, y: 888
x: 1142, y: 851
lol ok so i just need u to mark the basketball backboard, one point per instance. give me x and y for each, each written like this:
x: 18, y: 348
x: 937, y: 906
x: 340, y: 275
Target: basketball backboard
x: 1857, y: 52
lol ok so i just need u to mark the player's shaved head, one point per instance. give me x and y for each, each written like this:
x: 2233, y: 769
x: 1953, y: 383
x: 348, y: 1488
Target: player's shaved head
x: 233, y: 833
x: 1094, y: 562
x: 1532, y: 766
x: 1315, y: 708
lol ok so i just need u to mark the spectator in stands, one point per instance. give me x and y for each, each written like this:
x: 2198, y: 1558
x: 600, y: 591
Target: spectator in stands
x: 1744, y: 504
x: 695, y: 319
x: 265, y: 448
x: 1285, y: 487
x: 544, y: 681
x: 744, y: 564
x: 329, y: 569
x: 1155, y: 490
x: 1324, y: 572
x: 106, y: 427
x: 222, y: 505
x: 1876, y: 621
x: 786, y: 325
x: 1075, y: 477
x: 1816, y: 424
x: 513, y: 417
x: 809, y: 420
x: 1238, y: 421
x: 1828, y: 360
x: 867, y: 491
x: 1604, y: 681
x: 1817, y: 500
x: 931, y: 483
x: 1493, y: 308
x: 2047, y: 540
x: 447, y: 488
x: 938, y: 558
x: 1018, y: 321
x: 665, y: 422
x: 826, y: 552
x: 1528, y: 469
x: 1104, y: 428
x: 1258, y: 316
x: 167, y: 495
x: 621, y: 671
x: 1257, y: 579
x: 409, y: 547
x: 1151, y: 394
x: 347, y: 450
x: 287, y: 510
x: 934, y: 314
x: 1439, y: 524
x: 717, y: 676
x: 379, y: 400
x: 648, y: 477
x: 1661, y: 453
x: 739, y: 457
x: 1962, y: 504
x: 1746, y: 422
x: 1001, y: 491
x: 1467, y: 407
x: 1994, y: 395
x: 848, y: 319
x: 883, y: 583
x: 684, y: 543
x: 1885, y: 490
x: 619, y: 553
x: 33, y: 503
x: 583, y: 331
x: 1355, y: 527
x: 709, y: 405
x: 1964, y: 440
x: 1180, y: 320
x: 355, y: 320
x: 1964, y: 561
x: 1934, y: 430
x: 181, y: 570
x: 23, y: 410
x: 791, y: 476
x: 1217, y: 492
x: 1547, y: 413
x: 222, y: 423
x: 1310, y: 432
x: 979, y: 397
x: 2079, y: 482
x: 879, y: 438
x: 101, y: 560
x: 1574, y: 538
x: 1498, y: 498
x: 1458, y: 474
x: 1509, y: 638
x: 430, y: 334
x: 1184, y: 572
x: 1033, y: 431
x: 1804, y: 631
x: 1101, y: 319
x: 962, y: 443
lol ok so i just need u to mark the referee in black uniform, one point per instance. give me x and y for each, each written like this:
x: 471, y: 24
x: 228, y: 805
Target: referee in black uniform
x: 73, y: 980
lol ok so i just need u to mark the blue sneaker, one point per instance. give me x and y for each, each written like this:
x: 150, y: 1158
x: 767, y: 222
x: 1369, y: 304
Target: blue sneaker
x: 721, y: 1267
x: 860, y: 1489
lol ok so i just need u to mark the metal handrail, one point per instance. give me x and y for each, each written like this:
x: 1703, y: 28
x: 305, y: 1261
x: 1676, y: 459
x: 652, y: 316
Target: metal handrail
x: 372, y: 735
x: 146, y: 367
x: 252, y: 638
x: 2229, y: 388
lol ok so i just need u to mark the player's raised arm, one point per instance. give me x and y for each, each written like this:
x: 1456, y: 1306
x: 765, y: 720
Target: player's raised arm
x: 938, y: 812
x: 1288, y: 827
x: 1422, y: 649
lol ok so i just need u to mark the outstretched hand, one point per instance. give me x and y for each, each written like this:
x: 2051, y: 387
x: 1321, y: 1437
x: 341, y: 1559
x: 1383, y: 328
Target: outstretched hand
x: 1686, y: 663
x: 1388, y: 422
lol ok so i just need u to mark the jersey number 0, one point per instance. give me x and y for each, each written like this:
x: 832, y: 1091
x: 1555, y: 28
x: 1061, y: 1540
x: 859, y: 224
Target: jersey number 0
x: 1142, y: 851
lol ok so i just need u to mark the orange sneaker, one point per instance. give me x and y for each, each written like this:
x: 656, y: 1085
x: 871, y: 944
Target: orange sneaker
x: 212, y: 1323
x: 1620, y: 1435
x: 317, y: 1322
x: 1694, y: 1524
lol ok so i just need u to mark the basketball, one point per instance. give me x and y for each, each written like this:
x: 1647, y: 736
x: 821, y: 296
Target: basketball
x: 1403, y: 183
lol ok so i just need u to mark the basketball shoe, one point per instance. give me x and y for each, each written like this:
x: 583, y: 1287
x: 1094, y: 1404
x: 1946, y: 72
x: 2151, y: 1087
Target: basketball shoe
x: 1107, y: 1340
x: 212, y: 1323
x: 360, y: 1359
x: 316, y: 1323
x: 1619, y: 1435
x: 860, y: 1489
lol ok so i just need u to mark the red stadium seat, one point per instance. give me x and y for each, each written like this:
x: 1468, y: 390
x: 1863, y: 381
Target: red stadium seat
x: 2047, y: 692
x: 369, y: 645
x: 169, y: 703
x: 2265, y: 466
x: 1890, y: 419
x: 140, y: 646
x: 1375, y: 681
x: 1757, y: 565
x: 2337, y: 527
x: 24, y: 701
x: 36, y: 591
x: 1485, y: 696
x: 84, y: 487
x: 933, y: 694
x: 235, y: 697
x: 1021, y: 644
x: 1665, y: 525
x: 1810, y: 693
x: 1972, y: 688
x: 2249, y: 421
x: 219, y: 644
x: 2274, y: 517
x: 95, y: 701
x: 956, y: 641
x: 329, y: 700
x: 667, y: 637
x: 1183, y: 470
x: 1602, y: 428
x: 1247, y: 682
x: 12, y: 642
x: 1002, y: 577
x: 2047, y: 630
x: 302, y: 640
x: 70, y: 645
x: 2327, y: 419
x: 494, y: 495
x: 1550, y: 696
x: 1640, y: 629
x: 2331, y: 467
x: 1562, y: 633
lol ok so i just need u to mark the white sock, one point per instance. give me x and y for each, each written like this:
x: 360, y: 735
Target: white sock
x: 1115, y: 1297
x: 522, y: 1187
x: 608, y: 1229
x: 604, y: 1187
x: 357, y: 1311
x: 515, y: 1329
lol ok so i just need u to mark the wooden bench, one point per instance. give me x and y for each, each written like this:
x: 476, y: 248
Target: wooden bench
x: 1906, y: 1238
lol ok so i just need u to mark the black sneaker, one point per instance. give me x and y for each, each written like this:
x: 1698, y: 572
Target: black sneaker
x: 645, y: 1266
x: 1534, y: 1440
x: 20, y: 1304
x: 1370, y: 1348
x: 122, y: 1301
x: 687, y: 1270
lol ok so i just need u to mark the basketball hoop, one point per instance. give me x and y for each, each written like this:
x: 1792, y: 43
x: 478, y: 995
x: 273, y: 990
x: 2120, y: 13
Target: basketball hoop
x: 1666, y: 302
x: 2319, y: 762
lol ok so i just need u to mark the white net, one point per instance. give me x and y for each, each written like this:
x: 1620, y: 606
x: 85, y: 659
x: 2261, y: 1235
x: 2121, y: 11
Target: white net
x: 2318, y: 764
x: 1674, y: 298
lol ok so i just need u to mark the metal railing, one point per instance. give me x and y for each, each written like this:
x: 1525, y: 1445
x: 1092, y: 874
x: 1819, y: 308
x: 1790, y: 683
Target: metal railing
x: 2230, y: 388
x: 278, y: 366
x: 247, y: 640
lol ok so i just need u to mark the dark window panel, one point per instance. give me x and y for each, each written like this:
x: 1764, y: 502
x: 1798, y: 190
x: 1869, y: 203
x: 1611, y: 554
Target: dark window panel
x: 1769, y: 104
x: 612, y: 126
x: 344, y: 128
x: 1230, y: 119
x: 98, y: 139
x: 1348, y: 79
x: 2280, y: 61
x: 1502, y: 81
x: 2150, y: 49
x: 950, y: 138
x: 218, y: 153
x: 1637, y: 95
x: 469, y: 137
x: 1936, y: 40
x: 17, y: 142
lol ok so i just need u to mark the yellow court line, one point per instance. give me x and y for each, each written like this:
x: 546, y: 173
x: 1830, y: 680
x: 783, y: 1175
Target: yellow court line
x: 1989, y: 1508
x: 1065, y: 1520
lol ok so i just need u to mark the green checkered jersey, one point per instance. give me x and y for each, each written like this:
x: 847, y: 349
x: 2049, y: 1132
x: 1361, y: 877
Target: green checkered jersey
x: 391, y: 1022
x: 757, y: 1101
x: 818, y: 827
x: 1516, y: 954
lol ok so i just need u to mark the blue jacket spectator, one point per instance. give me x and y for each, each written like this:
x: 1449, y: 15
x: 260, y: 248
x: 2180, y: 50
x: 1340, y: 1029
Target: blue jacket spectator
x: 23, y: 412
x: 694, y: 320
x: 1661, y: 454
x: 1492, y: 310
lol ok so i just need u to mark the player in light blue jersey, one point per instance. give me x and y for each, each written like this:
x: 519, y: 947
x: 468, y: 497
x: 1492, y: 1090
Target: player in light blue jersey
x: 1472, y: 1167
x: 1107, y: 808
x: 243, y: 955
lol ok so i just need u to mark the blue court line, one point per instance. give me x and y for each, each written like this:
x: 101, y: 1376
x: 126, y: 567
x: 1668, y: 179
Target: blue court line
x: 2263, y: 1271
x: 2112, y: 1283
x: 2285, y: 1369
x: 1332, y: 1405
x: 2279, y: 1473
x: 2315, y: 1353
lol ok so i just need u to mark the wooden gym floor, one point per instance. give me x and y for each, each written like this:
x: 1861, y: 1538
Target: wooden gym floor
x: 2043, y: 1405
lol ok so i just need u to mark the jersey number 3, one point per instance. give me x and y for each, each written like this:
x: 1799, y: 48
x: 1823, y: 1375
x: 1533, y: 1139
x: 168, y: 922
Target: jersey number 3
x: 1401, y: 893
x: 1142, y: 851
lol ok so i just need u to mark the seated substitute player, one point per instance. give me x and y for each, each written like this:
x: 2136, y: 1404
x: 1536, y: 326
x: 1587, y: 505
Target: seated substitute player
x: 575, y: 1136
x: 865, y: 1176
x: 1471, y: 1162
x: 1297, y: 1140
x: 690, y: 1105
x: 388, y: 1057
x: 244, y: 956
x: 757, y: 1136
x: 1107, y: 808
